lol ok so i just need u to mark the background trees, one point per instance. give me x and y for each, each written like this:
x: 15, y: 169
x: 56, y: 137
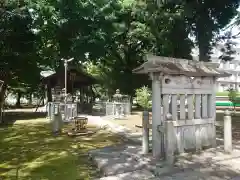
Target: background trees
x: 109, y: 35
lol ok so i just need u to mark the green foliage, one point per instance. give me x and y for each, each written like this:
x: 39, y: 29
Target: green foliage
x: 99, y: 72
x: 115, y: 34
x: 228, y: 50
x: 233, y: 97
x: 143, y: 97
x: 206, y: 19
x: 140, y: 28
x: 18, y: 57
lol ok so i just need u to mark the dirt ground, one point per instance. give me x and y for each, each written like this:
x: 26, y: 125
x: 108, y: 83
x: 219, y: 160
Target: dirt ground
x: 134, y: 119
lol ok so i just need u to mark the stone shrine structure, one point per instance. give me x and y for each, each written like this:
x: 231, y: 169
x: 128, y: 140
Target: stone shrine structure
x: 119, y: 107
x: 191, y: 125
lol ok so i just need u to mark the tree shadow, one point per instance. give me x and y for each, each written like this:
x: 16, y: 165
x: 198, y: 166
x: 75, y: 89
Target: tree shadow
x: 11, y: 117
x: 30, y: 151
x: 211, y: 164
x: 235, y: 126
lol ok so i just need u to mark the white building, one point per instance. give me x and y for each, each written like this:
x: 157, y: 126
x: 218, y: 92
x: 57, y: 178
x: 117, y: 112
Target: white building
x: 233, y: 67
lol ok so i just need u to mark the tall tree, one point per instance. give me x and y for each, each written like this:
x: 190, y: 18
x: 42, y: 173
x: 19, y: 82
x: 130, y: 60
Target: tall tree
x: 206, y: 19
x: 228, y: 50
x: 18, y: 58
x: 166, y: 23
x: 143, y: 28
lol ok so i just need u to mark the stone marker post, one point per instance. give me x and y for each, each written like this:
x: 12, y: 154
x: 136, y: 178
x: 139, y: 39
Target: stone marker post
x: 227, y: 131
x: 145, y: 132
x: 170, y: 138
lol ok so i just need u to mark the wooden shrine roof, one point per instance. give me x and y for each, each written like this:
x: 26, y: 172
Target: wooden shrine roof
x: 173, y: 66
x: 80, y: 78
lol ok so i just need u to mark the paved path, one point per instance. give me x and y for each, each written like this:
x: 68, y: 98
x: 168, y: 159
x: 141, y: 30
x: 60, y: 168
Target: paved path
x: 124, y: 162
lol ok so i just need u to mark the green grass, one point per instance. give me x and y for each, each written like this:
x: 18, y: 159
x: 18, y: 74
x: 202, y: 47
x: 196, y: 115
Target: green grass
x: 225, y: 93
x: 30, y: 152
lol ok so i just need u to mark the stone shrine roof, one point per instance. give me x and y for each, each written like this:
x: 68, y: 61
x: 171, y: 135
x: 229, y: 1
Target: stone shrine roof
x: 173, y: 66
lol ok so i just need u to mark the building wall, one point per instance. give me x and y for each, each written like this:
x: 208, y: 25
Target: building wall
x: 232, y: 67
x: 233, y: 81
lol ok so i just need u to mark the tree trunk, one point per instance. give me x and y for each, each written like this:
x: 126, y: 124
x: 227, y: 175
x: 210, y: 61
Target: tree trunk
x: 18, y: 103
x: 30, y: 99
x: 42, y: 101
x: 2, y: 98
x: 49, y: 94
x: 203, y: 39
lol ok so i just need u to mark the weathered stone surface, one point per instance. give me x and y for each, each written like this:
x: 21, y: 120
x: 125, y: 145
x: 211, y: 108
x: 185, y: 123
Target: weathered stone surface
x: 236, y: 178
x: 118, y: 159
x: 192, y: 175
x: 126, y: 162
x: 212, y: 158
x: 135, y: 175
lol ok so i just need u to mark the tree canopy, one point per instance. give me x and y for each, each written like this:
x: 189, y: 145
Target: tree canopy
x: 110, y: 35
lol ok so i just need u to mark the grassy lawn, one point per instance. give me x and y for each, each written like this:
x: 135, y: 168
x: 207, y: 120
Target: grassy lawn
x: 30, y: 151
x: 225, y: 93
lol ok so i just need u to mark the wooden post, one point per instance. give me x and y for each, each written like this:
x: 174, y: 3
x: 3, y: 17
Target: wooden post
x: 156, y: 115
x: 227, y: 132
x: 204, y: 106
x: 190, y: 106
x: 145, y: 132
x: 170, y: 141
x: 182, y: 107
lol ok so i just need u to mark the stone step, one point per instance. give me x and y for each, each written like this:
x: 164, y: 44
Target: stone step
x: 135, y: 175
x: 119, y: 159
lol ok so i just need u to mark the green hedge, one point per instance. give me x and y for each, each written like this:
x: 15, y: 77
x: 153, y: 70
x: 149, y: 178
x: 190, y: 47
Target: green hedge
x: 226, y: 104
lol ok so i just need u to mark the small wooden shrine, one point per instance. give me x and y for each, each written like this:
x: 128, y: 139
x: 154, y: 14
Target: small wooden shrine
x: 79, y: 86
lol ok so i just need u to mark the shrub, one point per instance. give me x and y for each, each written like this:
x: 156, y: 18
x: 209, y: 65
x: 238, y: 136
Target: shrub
x: 143, y: 97
x: 233, y: 97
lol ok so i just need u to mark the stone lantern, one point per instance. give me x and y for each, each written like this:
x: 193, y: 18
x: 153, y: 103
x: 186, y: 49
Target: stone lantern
x: 118, y: 110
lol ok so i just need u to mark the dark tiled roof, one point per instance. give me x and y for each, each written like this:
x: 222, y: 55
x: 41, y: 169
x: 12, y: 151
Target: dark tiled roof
x: 175, y: 66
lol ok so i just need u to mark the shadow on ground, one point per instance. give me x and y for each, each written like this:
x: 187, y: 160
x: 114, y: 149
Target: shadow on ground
x: 235, y: 126
x: 211, y: 164
x: 29, y: 151
x: 11, y: 117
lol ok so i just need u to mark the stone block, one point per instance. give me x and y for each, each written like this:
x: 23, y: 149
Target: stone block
x: 135, y: 175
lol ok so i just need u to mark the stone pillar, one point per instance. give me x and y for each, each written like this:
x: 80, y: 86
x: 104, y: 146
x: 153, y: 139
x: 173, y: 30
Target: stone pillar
x: 170, y: 141
x: 145, y: 132
x: 236, y: 82
x: 156, y: 115
x: 227, y: 132
x: 219, y: 87
x: 212, y: 112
